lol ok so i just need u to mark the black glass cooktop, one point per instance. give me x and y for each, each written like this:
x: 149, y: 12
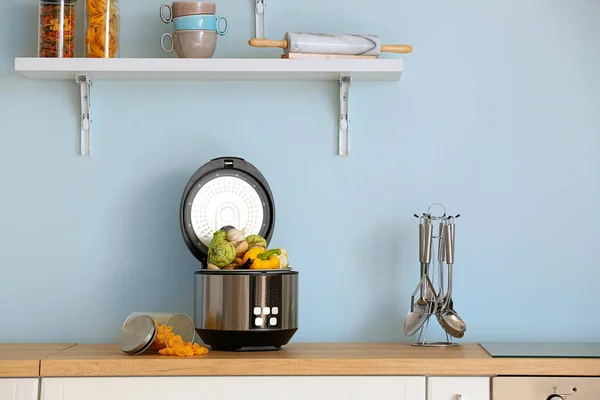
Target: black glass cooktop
x: 549, y: 350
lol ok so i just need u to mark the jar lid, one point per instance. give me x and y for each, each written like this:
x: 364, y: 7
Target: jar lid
x: 57, y: 1
x: 137, y: 335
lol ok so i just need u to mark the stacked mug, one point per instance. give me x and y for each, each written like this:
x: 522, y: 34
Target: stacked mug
x: 195, y: 28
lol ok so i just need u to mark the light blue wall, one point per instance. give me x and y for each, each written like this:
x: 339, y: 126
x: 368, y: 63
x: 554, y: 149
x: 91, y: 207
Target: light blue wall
x: 497, y: 116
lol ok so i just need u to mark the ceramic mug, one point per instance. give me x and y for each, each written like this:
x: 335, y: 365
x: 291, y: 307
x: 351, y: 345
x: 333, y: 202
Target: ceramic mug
x: 201, y: 22
x: 183, y: 8
x: 191, y: 44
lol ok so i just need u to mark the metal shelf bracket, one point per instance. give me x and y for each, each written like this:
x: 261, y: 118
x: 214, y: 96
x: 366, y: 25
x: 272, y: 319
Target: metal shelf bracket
x: 344, y: 119
x: 259, y: 12
x: 85, y: 88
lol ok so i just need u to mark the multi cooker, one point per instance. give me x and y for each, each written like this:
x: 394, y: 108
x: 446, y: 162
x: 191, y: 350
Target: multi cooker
x: 240, y: 309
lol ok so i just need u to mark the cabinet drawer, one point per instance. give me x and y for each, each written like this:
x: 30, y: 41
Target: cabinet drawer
x: 450, y: 388
x: 231, y: 388
x: 19, y: 389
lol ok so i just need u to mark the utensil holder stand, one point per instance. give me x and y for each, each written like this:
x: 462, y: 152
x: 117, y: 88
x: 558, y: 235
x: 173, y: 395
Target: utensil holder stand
x: 422, y: 338
x: 438, y: 303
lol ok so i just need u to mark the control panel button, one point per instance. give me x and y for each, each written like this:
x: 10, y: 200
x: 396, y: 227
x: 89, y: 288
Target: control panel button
x: 256, y: 310
x: 266, y: 310
x: 273, y: 321
x: 258, y: 321
x: 275, y: 310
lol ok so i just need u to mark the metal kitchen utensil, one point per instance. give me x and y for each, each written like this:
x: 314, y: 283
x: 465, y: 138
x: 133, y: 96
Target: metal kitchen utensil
x: 422, y: 252
x: 447, y: 317
x: 320, y: 43
x: 420, y: 310
x: 427, y: 239
x: 441, y: 257
x: 415, y: 318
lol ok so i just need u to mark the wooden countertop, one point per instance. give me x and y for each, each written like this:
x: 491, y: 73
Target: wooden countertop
x: 23, y: 360
x: 312, y: 359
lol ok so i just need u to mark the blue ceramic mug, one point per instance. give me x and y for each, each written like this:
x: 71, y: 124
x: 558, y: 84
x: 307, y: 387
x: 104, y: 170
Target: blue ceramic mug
x: 201, y: 22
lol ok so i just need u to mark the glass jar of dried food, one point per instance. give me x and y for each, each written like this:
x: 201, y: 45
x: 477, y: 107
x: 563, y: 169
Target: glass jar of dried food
x: 56, y: 29
x: 102, y: 25
x: 164, y: 333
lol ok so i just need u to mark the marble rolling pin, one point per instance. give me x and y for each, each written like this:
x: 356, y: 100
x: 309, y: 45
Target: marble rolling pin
x: 317, y: 43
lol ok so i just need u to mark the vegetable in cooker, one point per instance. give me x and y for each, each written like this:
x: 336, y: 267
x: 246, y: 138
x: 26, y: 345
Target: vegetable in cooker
x: 229, y: 250
x: 218, y: 237
x: 235, y: 235
x: 241, y: 248
x: 263, y: 259
x: 283, y: 258
x: 222, y: 254
x: 256, y: 240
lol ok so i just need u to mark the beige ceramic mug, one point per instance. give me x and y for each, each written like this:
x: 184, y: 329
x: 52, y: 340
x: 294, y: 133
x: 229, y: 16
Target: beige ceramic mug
x: 183, y: 8
x: 190, y: 44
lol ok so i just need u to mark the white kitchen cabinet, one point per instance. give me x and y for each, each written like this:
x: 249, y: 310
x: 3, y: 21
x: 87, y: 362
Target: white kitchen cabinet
x: 458, y: 388
x: 232, y: 388
x: 19, y: 389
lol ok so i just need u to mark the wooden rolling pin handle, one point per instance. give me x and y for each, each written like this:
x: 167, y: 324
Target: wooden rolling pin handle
x: 257, y: 42
x: 396, y: 48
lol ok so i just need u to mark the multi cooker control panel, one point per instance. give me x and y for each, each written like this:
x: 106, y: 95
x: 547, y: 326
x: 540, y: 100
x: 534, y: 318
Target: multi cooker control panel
x: 266, y: 307
x: 266, y: 317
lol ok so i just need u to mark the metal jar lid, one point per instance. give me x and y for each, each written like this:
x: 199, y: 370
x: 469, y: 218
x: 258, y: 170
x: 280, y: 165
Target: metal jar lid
x: 137, y: 335
x: 57, y: 1
x: 226, y: 191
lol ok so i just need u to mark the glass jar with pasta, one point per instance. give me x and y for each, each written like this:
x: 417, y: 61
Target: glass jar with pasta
x: 102, y: 26
x: 56, y: 29
x: 169, y: 334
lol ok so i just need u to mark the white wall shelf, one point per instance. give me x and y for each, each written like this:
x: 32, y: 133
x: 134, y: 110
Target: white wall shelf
x: 84, y: 71
x: 236, y: 69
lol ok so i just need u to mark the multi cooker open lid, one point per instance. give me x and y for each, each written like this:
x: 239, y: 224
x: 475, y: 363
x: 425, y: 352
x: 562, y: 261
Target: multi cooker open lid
x: 226, y: 191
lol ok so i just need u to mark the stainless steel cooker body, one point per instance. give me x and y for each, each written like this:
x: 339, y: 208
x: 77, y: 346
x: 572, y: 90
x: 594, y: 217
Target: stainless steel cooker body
x: 246, y: 308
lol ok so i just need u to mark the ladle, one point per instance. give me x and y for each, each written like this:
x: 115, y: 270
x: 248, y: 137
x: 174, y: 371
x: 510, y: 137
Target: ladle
x: 447, y: 317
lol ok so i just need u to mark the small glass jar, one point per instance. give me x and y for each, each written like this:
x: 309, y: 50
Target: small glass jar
x: 151, y: 332
x: 102, y: 26
x: 56, y: 29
